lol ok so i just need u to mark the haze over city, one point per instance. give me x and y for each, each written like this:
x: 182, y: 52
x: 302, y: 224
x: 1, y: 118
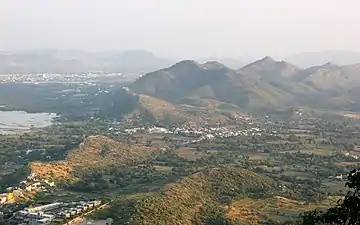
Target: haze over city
x: 182, y: 29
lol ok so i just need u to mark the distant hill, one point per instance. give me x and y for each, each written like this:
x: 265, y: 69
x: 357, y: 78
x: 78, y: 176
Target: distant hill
x: 260, y: 85
x: 229, y: 62
x: 309, y: 59
x: 48, y: 60
x: 330, y: 77
x: 269, y: 68
x: 211, y: 80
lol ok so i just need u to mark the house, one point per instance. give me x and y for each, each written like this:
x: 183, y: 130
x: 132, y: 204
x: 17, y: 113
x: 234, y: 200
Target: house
x: 3, y: 198
x: 28, y: 188
x: 50, y: 183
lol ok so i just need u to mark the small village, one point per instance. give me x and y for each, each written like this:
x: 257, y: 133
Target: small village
x: 202, y: 132
x: 38, y: 213
x: 30, y: 185
x: 56, y: 212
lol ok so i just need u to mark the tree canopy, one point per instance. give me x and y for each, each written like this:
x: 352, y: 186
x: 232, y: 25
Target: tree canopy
x: 346, y: 212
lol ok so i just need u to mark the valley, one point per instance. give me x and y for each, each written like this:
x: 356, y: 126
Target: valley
x: 196, y: 144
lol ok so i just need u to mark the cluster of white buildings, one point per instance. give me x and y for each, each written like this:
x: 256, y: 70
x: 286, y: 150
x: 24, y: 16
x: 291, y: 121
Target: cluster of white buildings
x: 222, y: 132
x: 31, y: 184
x: 350, y: 155
x: 55, y: 212
x: 201, y: 131
x: 134, y: 130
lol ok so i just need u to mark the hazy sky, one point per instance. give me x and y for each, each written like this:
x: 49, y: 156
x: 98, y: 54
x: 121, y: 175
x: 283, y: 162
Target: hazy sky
x: 182, y: 28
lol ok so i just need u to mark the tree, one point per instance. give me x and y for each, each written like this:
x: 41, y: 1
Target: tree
x: 293, y: 138
x: 347, y: 211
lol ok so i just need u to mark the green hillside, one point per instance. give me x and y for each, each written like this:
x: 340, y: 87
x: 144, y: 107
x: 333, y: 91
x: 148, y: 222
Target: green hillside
x: 200, y: 198
x: 224, y: 195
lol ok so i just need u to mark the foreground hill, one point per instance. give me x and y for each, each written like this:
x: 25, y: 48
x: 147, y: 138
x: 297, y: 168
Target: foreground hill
x: 96, y: 152
x: 200, y: 198
x: 224, y: 195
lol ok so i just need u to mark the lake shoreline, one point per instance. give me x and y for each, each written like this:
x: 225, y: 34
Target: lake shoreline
x: 15, y: 122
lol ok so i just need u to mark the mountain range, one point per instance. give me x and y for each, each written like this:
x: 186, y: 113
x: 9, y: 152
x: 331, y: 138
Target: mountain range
x: 262, y: 85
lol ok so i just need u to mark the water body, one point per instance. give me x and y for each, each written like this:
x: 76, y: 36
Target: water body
x: 13, y: 122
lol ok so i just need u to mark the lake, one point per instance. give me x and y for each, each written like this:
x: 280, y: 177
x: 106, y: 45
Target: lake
x: 13, y: 122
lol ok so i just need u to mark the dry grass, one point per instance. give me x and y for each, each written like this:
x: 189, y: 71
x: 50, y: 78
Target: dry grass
x: 163, y: 168
x: 189, y: 153
x: 53, y: 171
x: 335, y: 186
x: 318, y: 151
x: 258, y: 156
x: 254, y: 210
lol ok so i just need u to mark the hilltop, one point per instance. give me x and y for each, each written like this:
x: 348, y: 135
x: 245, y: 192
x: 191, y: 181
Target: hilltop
x: 95, y: 152
x: 229, y: 62
x: 268, y: 67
